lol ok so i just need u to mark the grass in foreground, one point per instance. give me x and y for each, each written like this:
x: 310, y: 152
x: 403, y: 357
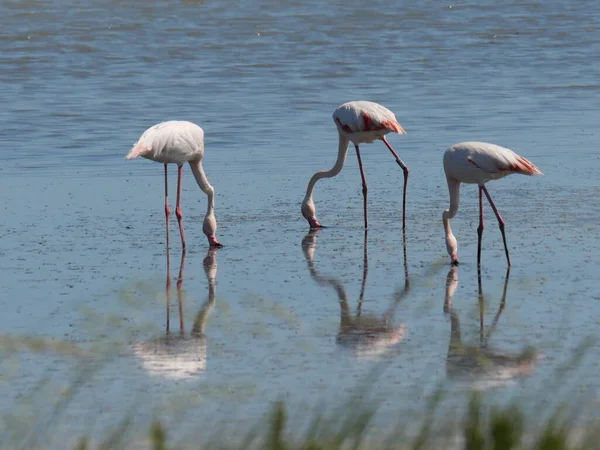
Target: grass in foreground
x: 482, y: 428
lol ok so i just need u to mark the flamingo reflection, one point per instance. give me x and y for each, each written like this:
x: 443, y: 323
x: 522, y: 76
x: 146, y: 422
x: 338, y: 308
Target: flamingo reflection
x: 365, y: 335
x: 178, y: 355
x: 478, y: 364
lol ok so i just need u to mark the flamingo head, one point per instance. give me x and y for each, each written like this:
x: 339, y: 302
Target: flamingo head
x: 309, y: 213
x: 209, y: 227
x: 451, y: 244
x: 213, y: 241
x: 452, y: 247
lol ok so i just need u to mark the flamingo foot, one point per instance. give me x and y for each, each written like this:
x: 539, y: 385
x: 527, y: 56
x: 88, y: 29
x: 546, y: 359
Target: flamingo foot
x: 213, y: 242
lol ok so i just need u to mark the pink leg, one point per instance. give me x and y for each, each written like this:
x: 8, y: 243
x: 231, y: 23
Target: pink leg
x: 480, y: 227
x: 167, y: 210
x: 365, y: 188
x: 178, y: 212
x: 500, y: 223
x: 406, y: 171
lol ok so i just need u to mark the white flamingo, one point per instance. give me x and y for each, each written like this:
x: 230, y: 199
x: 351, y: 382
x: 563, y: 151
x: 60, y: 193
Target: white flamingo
x: 478, y: 162
x: 358, y: 122
x: 179, y: 142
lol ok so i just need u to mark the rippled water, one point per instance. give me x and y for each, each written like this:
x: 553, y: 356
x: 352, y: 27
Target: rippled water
x: 276, y: 313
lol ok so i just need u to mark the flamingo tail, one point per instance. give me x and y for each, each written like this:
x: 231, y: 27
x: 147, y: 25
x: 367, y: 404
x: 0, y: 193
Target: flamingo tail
x: 137, y: 150
x: 525, y: 167
x: 394, y: 126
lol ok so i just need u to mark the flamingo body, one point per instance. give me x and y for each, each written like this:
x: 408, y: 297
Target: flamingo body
x: 179, y: 142
x: 357, y: 122
x: 364, y: 122
x: 478, y: 163
x: 170, y: 142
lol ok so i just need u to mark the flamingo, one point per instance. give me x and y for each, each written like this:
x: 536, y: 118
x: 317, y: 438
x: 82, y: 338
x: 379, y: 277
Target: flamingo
x: 478, y: 162
x: 359, y: 122
x: 179, y: 142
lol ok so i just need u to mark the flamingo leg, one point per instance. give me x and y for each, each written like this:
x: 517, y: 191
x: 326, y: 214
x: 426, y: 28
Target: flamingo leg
x: 406, y: 280
x: 480, y: 227
x: 500, y: 223
x: 365, y: 188
x: 167, y: 210
x: 406, y: 171
x: 178, y: 212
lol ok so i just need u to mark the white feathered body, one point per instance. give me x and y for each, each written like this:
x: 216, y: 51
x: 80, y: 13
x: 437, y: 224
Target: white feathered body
x: 480, y: 162
x: 170, y: 142
x: 363, y: 122
x: 180, y: 142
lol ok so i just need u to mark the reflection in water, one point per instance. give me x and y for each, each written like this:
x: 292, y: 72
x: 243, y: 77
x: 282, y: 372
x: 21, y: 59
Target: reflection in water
x: 366, y: 335
x: 478, y: 364
x: 176, y: 355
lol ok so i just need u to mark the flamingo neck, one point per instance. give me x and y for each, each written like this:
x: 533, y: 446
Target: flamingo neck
x: 204, y: 185
x: 451, y: 244
x: 209, y: 227
x: 339, y: 163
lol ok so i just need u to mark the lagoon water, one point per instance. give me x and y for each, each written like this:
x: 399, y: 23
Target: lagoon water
x: 278, y: 312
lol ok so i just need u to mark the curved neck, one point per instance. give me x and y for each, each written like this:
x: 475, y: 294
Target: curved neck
x: 204, y: 185
x: 339, y: 163
x: 454, y: 191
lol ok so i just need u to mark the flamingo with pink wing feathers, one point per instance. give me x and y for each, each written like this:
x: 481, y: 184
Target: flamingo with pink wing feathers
x: 357, y: 122
x: 478, y: 163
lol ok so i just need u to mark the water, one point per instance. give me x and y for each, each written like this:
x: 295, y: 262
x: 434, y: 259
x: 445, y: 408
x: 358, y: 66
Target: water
x: 82, y: 253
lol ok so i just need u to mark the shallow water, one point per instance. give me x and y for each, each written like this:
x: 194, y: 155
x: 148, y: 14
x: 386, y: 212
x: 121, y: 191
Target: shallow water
x: 278, y: 311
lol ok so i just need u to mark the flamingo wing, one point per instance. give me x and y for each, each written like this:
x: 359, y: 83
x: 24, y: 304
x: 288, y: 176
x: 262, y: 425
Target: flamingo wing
x: 138, y: 149
x: 494, y: 159
x: 362, y: 116
x: 172, y: 141
x: 147, y: 141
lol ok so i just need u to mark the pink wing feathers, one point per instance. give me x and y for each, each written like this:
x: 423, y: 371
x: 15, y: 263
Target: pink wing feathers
x: 525, y: 167
x: 170, y: 142
x: 146, y: 141
x: 362, y: 116
x: 495, y: 159
x: 139, y: 149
